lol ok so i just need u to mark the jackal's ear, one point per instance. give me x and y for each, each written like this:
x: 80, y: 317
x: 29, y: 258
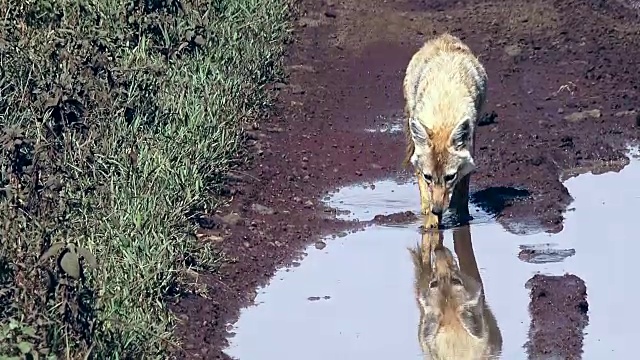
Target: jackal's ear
x: 471, y: 320
x: 420, y: 134
x: 471, y: 315
x: 461, y: 135
x: 475, y: 299
x: 429, y: 324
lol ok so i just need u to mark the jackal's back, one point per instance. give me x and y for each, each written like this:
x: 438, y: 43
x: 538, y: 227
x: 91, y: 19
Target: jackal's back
x: 444, y: 84
x: 443, y: 67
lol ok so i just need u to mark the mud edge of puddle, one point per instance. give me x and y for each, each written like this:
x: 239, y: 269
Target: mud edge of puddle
x: 559, y: 314
x: 563, y: 86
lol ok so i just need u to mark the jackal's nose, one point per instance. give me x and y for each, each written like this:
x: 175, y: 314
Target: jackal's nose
x: 437, y: 210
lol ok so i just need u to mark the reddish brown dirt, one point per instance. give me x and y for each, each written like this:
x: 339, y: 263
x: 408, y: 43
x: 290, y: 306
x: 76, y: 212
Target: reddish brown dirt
x: 546, y: 60
x: 558, y: 310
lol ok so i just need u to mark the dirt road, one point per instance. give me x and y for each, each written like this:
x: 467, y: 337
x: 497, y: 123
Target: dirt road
x: 563, y: 90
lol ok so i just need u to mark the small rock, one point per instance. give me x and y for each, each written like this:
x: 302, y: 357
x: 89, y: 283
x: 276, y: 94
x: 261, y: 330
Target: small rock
x: 308, y: 204
x: 263, y: 210
x: 513, y: 50
x: 234, y: 177
x: 252, y: 135
x: 302, y: 67
x: 275, y: 129
x: 537, y: 161
x: 581, y: 115
x: 320, y: 245
x: 488, y: 119
x: 296, y: 89
x: 232, y: 219
x: 215, y: 238
x: 626, y: 113
x: 330, y: 13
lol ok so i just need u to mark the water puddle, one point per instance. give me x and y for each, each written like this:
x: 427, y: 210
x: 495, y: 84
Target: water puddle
x: 390, y: 123
x: 354, y: 298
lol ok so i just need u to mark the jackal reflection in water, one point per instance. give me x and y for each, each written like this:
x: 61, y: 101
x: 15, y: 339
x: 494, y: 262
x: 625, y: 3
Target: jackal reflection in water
x: 455, y: 320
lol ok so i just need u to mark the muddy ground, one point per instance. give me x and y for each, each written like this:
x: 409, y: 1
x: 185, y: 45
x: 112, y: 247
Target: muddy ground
x: 558, y: 316
x: 563, y: 89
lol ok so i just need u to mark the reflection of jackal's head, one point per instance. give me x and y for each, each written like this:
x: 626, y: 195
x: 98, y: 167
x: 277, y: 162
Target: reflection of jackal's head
x: 451, y: 303
x: 443, y: 157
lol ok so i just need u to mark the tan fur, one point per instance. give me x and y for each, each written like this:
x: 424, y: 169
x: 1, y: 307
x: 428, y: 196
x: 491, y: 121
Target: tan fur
x: 444, y: 90
x: 455, y: 321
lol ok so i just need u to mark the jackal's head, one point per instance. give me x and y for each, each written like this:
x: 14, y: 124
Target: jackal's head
x: 443, y: 157
x: 450, y: 304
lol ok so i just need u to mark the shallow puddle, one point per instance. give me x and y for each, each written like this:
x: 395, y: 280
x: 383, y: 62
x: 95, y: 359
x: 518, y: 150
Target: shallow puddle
x: 354, y: 299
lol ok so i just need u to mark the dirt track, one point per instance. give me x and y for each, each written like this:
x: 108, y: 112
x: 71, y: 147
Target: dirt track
x: 562, y: 82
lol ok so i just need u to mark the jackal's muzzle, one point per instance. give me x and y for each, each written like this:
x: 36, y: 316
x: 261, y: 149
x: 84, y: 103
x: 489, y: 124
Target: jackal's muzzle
x: 440, y: 197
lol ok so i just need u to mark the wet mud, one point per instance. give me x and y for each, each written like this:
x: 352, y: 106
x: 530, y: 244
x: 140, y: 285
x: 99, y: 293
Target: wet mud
x: 395, y: 218
x: 563, y: 99
x: 559, y: 310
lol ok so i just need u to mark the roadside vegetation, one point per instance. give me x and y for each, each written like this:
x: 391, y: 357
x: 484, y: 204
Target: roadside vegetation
x: 118, y: 122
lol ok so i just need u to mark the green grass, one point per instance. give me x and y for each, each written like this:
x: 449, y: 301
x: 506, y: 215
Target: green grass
x: 120, y: 120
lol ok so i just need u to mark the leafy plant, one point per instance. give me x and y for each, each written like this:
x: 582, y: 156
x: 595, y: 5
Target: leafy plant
x: 69, y: 259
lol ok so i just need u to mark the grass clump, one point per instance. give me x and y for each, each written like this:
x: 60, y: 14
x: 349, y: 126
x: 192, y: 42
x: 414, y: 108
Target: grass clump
x: 119, y: 120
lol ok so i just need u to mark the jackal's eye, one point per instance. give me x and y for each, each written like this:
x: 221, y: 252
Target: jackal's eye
x: 456, y: 281
x: 433, y: 283
x: 449, y: 177
x: 427, y: 177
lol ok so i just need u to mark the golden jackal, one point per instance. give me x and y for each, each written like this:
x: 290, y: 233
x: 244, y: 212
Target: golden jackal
x: 455, y: 321
x: 444, y: 90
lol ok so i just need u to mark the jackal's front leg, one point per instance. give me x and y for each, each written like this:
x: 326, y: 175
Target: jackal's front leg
x: 425, y: 198
x: 430, y: 220
x: 430, y: 240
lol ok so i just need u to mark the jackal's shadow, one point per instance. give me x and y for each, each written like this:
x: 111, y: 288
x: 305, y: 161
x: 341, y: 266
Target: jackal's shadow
x: 494, y: 200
